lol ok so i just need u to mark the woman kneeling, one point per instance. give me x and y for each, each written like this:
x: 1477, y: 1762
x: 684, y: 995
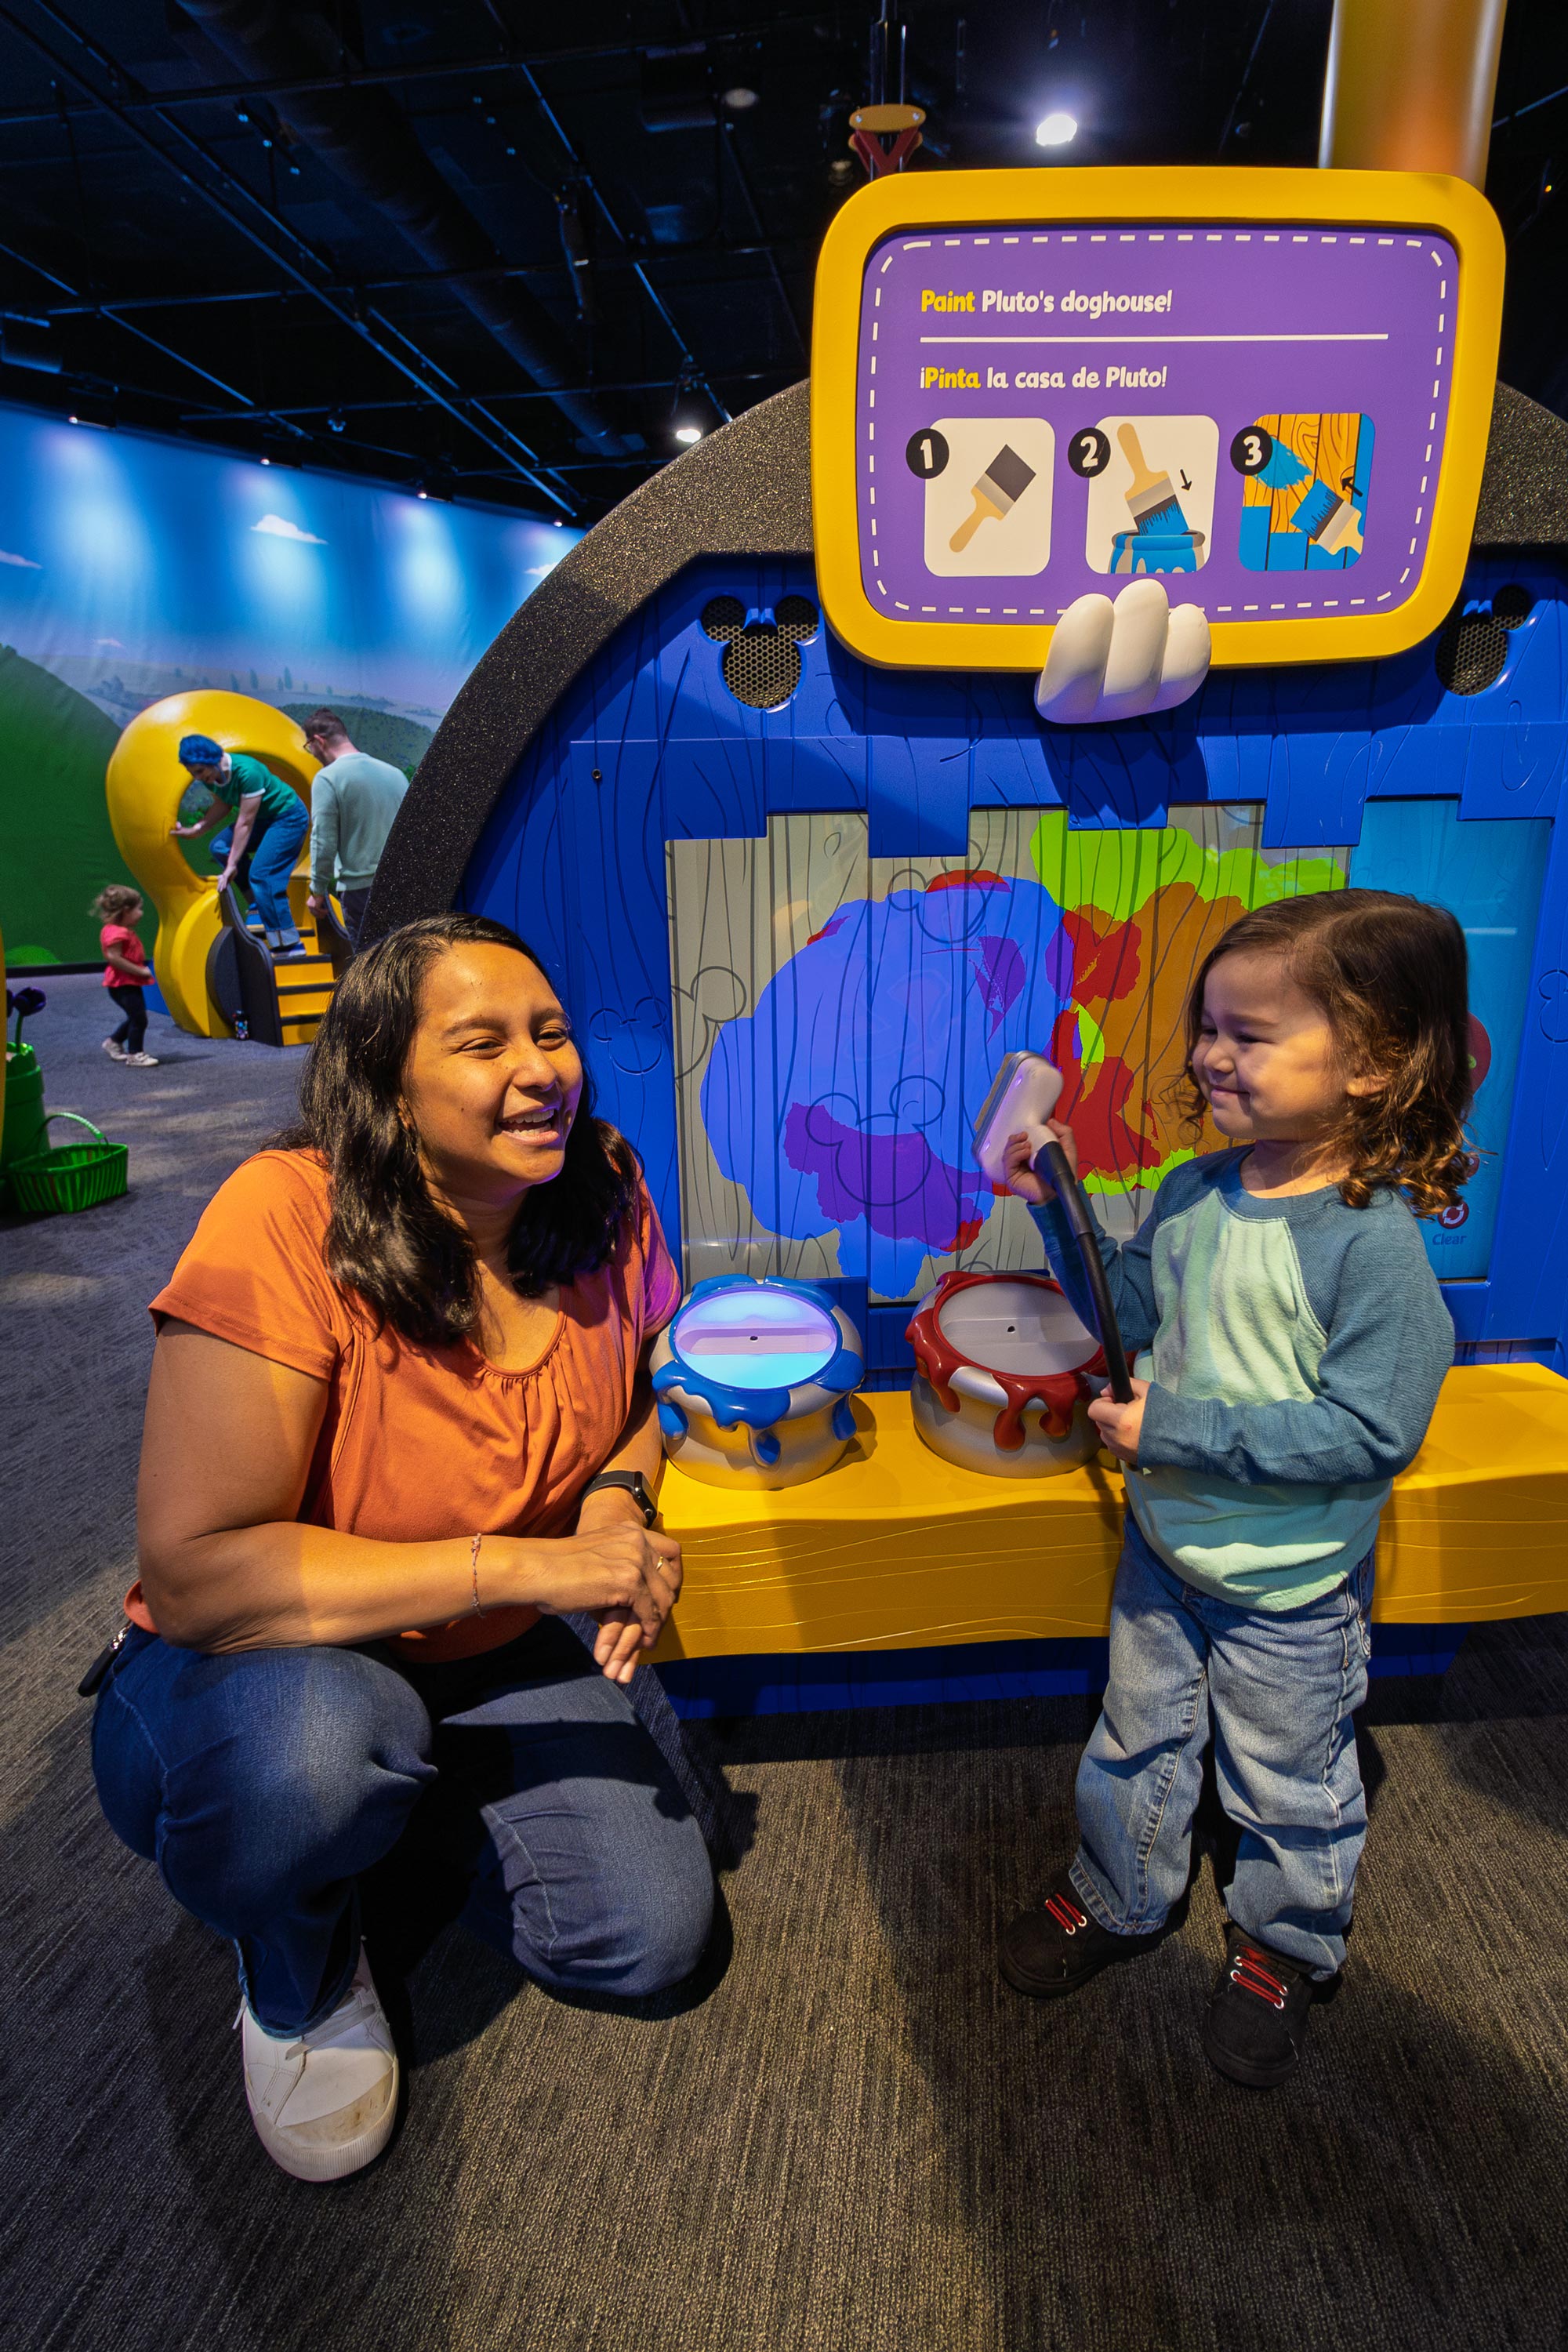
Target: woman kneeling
x: 399, y: 1419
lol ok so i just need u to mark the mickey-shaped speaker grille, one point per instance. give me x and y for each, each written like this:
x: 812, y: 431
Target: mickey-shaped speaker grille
x: 1473, y: 646
x: 761, y: 658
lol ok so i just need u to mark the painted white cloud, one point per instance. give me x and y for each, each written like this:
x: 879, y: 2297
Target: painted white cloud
x: 537, y: 571
x: 116, y: 642
x: 279, y: 526
x: 22, y: 562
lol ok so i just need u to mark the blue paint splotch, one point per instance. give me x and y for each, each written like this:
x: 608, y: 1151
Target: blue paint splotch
x: 846, y: 1100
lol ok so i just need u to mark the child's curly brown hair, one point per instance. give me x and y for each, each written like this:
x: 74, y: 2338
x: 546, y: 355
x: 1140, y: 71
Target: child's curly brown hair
x: 114, y: 901
x: 1391, y: 975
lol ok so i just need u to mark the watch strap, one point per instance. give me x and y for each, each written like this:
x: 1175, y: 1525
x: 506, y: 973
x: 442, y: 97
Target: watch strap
x: 630, y: 1482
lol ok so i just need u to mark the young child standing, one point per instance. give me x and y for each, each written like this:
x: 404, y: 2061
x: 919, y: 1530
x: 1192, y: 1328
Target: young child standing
x: 1290, y: 1341
x: 126, y: 972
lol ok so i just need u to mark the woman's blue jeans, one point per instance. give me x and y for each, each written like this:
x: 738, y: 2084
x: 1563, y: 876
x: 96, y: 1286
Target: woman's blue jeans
x: 262, y: 1782
x: 269, y: 864
x: 1278, y: 1692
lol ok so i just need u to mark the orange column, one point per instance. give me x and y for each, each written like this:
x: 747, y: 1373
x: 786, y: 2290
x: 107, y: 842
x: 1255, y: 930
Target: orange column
x: 1410, y: 85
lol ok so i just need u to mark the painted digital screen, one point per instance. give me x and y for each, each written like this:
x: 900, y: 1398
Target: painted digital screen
x: 1256, y: 414
x: 755, y: 1338
x: 839, y: 1018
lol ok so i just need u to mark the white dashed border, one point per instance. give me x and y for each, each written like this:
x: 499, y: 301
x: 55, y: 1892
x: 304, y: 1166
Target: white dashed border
x: 1159, y: 236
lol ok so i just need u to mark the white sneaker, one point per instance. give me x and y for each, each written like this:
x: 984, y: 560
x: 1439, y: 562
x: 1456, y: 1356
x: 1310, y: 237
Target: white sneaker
x: 115, y: 1053
x: 323, y: 2103
x: 139, y: 1061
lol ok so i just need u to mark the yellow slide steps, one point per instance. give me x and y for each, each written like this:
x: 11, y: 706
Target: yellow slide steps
x: 145, y: 784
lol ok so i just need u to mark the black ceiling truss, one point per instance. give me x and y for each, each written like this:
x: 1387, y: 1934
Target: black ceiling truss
x: 408, y: 238
x: 281, y: 246
x: 103, y: 88
x: 486, y: 62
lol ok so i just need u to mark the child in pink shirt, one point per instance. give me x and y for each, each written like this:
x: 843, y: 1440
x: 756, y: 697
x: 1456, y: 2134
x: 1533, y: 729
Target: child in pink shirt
x: 126, y: 973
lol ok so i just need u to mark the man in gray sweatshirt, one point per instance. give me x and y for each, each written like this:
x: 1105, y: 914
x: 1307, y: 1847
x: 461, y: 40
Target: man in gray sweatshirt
x: 353, y: 800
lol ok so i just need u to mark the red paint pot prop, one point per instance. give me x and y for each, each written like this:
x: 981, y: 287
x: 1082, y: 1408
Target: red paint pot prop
x: 1004, y: 1370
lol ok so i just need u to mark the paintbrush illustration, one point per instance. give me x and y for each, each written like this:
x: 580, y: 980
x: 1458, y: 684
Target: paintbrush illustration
x: 1330, y: 520
x: 1151, y: 500
x: 996, y: 494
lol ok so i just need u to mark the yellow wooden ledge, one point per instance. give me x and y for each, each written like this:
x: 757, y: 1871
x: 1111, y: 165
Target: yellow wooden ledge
x: 895, y: 1550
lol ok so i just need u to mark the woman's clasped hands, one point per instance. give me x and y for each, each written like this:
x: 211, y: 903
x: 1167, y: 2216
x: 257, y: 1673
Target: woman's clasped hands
x: 617, y: 1571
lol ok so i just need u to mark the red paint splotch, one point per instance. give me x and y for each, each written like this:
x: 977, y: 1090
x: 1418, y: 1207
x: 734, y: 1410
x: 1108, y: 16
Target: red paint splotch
x: 1108, y: 958
x: 1112, y: 1140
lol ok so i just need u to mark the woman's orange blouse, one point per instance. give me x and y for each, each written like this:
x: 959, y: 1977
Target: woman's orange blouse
x: 419, y: 1443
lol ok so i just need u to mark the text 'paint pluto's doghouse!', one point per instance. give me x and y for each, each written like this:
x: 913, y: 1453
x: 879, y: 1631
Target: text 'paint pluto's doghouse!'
x: 759, y: 772
x: 1274, y: 385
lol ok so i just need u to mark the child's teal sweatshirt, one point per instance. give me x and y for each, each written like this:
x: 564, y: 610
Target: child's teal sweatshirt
x: 1296, y: 1349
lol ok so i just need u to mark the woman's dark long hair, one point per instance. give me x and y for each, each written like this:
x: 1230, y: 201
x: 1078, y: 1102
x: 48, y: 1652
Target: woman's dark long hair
x: 387, y: 1239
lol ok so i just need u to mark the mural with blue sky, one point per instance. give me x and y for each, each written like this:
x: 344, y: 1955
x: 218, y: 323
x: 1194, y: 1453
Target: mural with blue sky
x: 132, y: 567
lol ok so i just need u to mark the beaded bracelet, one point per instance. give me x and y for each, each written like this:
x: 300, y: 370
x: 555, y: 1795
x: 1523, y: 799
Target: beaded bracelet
x: 474, y: 1572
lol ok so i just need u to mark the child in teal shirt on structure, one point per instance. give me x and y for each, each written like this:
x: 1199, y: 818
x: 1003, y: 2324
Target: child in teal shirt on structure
x: 1290, y: 1341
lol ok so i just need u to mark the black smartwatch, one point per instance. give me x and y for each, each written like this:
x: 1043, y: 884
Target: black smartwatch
x: 630, y: 1482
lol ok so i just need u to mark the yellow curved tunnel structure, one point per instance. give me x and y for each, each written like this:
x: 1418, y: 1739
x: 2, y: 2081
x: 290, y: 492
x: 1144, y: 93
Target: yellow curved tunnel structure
x: 145, y: 782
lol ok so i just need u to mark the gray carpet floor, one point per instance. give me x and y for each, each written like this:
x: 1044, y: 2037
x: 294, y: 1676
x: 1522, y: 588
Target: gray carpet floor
x: 846, y: 2136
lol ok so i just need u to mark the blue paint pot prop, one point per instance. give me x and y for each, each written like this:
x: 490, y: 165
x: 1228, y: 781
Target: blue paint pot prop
x: 753, y: 1380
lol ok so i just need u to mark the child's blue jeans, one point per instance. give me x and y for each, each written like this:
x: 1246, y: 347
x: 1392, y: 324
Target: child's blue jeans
x: 1278, y: 1692
x: 262, y: 1782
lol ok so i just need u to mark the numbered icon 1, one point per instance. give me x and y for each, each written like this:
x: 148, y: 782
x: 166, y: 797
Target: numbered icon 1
x: 1088, y: 453
x: 926, y: 453
x: 1251, y: 449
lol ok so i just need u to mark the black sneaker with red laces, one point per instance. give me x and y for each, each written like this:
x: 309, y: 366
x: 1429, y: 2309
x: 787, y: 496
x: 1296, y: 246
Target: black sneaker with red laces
x: 1060, y: 1947
x: 1256, y: 2024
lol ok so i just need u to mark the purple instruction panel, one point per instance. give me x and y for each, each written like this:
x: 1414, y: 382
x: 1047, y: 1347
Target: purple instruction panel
x: 1260, y: 411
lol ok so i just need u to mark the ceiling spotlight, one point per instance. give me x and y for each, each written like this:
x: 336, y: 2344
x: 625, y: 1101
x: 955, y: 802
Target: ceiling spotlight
x: 689, y: 433
x: 337, y: 422
x: 420, y: 493
x: 741, y: 100
x: 559, y: 521
x: 1058, y: 130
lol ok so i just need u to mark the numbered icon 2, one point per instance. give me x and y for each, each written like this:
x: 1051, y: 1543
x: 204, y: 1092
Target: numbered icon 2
x: 927, y: 453
x: 1150, y: 507
x: 1088, y: 453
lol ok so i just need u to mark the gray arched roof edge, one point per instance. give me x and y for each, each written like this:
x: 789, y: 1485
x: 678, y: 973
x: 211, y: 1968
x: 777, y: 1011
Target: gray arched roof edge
x: 745, y: 490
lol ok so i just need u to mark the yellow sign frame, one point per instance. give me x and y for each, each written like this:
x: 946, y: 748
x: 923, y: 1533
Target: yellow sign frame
x: 1203, y: 193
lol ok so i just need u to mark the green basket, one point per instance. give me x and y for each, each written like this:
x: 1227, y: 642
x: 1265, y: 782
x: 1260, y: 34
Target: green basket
x: 70, y: 1176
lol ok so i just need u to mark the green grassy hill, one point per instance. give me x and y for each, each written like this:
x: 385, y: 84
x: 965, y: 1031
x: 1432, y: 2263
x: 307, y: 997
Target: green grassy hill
x: 380, y: 733
x: 57, y: 850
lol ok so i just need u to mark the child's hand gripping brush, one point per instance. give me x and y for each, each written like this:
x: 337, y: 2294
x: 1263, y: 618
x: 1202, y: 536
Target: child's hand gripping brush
x: 1021, y: 1101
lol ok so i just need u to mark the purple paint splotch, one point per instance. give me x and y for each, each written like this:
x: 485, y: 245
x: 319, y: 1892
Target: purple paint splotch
x: 1001, y: 972
x: 847, y: 1098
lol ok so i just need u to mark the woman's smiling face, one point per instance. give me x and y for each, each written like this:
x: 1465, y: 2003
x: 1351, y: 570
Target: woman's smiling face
x: 492, y: 1079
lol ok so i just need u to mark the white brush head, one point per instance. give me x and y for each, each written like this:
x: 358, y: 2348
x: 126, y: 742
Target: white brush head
x: 1025, y: 1095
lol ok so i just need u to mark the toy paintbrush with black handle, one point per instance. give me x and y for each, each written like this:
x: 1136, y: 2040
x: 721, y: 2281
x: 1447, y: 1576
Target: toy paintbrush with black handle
x: 1020, y: 1102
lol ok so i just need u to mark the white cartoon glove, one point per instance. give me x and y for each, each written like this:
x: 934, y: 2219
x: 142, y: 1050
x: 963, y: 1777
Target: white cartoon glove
x: 1122, y: 660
